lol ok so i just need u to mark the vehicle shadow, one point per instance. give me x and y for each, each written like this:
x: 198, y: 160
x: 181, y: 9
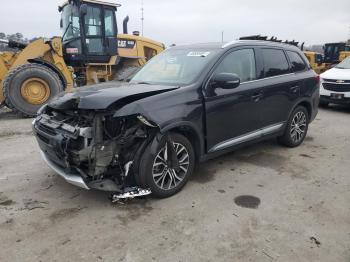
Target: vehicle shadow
x: 6, y: 113
x: 265, y: 153
x: 337, y: 108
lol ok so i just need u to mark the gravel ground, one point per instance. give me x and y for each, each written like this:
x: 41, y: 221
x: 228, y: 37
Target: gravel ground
x: 299, y: 205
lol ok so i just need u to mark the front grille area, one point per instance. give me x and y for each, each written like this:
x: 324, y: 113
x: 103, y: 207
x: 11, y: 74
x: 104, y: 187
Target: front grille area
x: 46, y: 129
x: 337, y: 87
x: 335, y: 81
x: 44, y: 139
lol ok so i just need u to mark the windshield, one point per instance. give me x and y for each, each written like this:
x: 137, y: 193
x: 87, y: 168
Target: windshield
x: 70, y: 22
x: 345, y: 64
x: 174, y: 67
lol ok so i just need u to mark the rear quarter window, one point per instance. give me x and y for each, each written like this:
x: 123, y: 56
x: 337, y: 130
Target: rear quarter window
x: 275, y: 62
x: 297, y: 63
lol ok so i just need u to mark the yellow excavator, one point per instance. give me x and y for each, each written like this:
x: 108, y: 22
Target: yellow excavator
x: 89, y: 51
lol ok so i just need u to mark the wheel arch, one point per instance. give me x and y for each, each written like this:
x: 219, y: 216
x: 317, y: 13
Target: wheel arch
x: 52, y: 67
x: 188, y: 130
x: 305, y: 103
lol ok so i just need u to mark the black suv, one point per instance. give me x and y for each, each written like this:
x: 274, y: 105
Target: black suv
x: 186, y: 105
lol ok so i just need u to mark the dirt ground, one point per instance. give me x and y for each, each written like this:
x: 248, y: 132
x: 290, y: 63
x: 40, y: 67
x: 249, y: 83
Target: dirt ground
x: 300, y: 210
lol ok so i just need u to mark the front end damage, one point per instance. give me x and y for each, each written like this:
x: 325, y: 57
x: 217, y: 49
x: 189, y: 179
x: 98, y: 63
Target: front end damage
x: 93, y: 149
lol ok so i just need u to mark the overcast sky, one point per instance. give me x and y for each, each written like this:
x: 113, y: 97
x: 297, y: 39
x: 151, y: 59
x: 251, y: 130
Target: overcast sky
x: 186, y: 21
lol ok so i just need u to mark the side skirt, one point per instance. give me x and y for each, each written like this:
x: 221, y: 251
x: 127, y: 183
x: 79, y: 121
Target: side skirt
x: 260, y: 135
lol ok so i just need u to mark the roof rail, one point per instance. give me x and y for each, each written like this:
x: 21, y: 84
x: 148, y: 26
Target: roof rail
x: 272, y: 39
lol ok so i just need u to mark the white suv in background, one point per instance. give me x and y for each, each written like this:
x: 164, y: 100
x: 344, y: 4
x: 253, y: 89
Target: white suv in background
x: 335, y: 84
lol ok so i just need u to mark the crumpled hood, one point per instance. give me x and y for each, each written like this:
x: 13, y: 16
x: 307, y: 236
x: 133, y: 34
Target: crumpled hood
x: 99, y: 97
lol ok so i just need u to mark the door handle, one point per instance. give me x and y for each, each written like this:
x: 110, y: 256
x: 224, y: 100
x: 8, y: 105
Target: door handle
x: 257, y: 97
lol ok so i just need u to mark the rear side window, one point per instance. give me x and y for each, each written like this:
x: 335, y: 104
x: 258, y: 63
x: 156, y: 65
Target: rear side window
x: 296, y: 61
x: 275, y: 62
x: 240, y: 62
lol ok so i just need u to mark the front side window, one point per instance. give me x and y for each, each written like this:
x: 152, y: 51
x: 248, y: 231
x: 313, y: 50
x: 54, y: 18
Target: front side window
x: 319, y: 58
x: 275, y: 62
x: 297, y: 63
x: 70, y: 22
x: 241, y: 62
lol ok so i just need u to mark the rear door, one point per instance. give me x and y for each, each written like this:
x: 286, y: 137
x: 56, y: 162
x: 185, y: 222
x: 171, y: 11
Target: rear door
x: 233, y: 114
x: 281, y: 87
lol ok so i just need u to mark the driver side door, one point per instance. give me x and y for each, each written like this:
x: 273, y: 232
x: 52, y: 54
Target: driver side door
x: 233, y: 115
x: 100, y: 34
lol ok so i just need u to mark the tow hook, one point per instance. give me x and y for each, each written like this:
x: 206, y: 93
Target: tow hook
x: 130, y: 193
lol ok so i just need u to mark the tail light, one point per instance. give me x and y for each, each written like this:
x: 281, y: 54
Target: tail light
x: 318, y: 79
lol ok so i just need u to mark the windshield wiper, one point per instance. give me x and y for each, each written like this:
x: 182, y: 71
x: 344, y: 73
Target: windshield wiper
x: 339, y: 67
x: 143, y: 83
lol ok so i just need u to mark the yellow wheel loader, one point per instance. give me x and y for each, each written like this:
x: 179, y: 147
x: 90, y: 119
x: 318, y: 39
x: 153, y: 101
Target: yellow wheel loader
x: 316, y: 61
x: 334, y: 53
x: 89, y: 51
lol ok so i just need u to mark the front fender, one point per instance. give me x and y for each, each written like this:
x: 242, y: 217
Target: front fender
x: 169, y: 111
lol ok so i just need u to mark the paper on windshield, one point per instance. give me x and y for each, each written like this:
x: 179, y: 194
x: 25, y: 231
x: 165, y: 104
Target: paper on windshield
x: 198, y: 54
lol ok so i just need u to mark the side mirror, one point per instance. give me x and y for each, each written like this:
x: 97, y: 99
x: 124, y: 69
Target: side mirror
x: 225, y: 81
x: 83, y: 9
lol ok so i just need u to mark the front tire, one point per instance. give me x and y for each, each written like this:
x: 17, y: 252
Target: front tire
x: 296, y: 129
x: 28, y: 87
x: 156, y: 170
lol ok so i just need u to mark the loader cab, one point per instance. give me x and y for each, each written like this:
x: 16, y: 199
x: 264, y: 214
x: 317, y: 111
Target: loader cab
x: 89, y: 32
x: 333, y: 50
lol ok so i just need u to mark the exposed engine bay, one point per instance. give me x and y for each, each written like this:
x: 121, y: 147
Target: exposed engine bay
x: 96, y: 146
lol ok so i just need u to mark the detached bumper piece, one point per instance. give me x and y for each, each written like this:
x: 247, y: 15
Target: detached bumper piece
x: 70, y: 178
x: 131, y: 193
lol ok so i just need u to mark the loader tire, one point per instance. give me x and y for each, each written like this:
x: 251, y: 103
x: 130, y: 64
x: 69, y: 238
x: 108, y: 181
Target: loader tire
x: 28, y: 87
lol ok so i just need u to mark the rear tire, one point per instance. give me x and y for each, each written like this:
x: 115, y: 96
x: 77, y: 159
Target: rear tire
x: 158, y: 175
x: 296, y: 129
x: 28, y: 87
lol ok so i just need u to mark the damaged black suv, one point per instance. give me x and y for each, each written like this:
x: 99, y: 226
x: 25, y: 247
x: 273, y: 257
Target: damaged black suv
x: 186, y: 105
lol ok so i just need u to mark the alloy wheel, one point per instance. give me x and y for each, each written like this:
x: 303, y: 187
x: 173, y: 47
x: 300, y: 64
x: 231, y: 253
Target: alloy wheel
x: 298, y: 127
x: 166, y: 177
